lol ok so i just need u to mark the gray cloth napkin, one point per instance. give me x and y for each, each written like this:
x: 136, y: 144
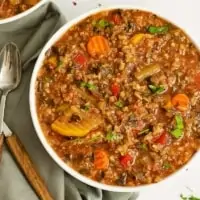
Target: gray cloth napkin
x: 30, y: 34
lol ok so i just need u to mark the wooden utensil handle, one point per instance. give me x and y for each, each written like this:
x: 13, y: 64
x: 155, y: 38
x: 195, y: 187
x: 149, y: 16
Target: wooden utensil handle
x: 27, y: 167
x: 1, y: 145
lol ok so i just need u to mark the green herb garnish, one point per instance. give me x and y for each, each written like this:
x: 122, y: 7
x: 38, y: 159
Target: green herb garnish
x: 95, y: 138
x: 166, y: 165
x: 178, y: 131
x: 189, y: 198
x: 119, y: 104
x: 89, y: 86
x: 102, y: 23
x: 179, y: 122
x: 60, y: 64
x: 158, y: 29
x: 83, y: 84
x: 143, y: 146
x: 112, y: 136
x: 86, y: 107
x: 144, y: 131
x: 157, y: 89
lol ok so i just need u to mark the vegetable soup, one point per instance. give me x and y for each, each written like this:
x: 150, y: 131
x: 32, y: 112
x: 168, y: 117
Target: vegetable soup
x: 118, y: 97
x: 9, y: 8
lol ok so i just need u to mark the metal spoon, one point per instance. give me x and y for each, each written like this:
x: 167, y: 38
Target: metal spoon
x: 10, y: 75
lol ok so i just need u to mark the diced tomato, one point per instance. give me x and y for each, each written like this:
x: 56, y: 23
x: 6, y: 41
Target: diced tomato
x: 115, y: 89
x: 80, y: 59
x: 116, y: 18
x: 126, y: 160
x: 197, y: 80
x: 163, y: 139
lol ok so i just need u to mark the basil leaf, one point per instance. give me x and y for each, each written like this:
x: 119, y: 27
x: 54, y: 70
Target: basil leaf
x: 179, y: 122
x: 177, y: 133
x: 158, y: 29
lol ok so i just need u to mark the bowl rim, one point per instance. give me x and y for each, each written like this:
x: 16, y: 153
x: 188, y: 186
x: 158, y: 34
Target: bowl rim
x: 23, y: 14
x: 34, y: 116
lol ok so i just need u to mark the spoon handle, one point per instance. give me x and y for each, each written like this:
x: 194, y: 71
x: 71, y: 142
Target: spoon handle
x: 1, y: 145
x: 27, y: 166
x: 2, y: 109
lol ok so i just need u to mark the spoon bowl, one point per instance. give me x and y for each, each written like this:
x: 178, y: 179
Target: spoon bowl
x: 10, y: 76
x: 10, y: 68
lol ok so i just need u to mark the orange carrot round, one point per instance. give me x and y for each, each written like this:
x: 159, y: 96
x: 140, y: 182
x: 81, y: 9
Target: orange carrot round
x: 181, y: 102
x: 101, y: 160
x: 98, y: 45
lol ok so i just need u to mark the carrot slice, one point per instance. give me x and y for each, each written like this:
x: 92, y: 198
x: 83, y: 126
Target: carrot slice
x: 101, y: 160
x: 98, y: 45
x: 181, y: 102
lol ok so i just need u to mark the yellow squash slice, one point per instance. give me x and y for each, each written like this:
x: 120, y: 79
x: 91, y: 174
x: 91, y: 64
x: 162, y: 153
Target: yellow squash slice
x: 137, y: 38
x: 87, y: 123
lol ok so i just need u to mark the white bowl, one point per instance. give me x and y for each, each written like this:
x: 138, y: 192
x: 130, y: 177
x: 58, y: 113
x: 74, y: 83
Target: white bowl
x: 49, y: 149
x: 23, y: 14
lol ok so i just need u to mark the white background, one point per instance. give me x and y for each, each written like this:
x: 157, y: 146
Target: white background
x: 185, y: 13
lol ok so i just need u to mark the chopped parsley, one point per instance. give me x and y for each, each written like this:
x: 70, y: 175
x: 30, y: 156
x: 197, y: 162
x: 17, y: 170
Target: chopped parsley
x: 119, y: 104
x: 102, y: 23
x: 157, y: 89
x: 86, y: 107
x: 60, y: 64
x: 166, y: 165
x: 143, y: 146
x: 112, y: 136
x: 95, y: 138
x: 89, y: 86
x: 189, y: 198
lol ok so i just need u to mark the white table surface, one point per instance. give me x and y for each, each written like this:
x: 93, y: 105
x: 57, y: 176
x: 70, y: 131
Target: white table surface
x: 186, y: 13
